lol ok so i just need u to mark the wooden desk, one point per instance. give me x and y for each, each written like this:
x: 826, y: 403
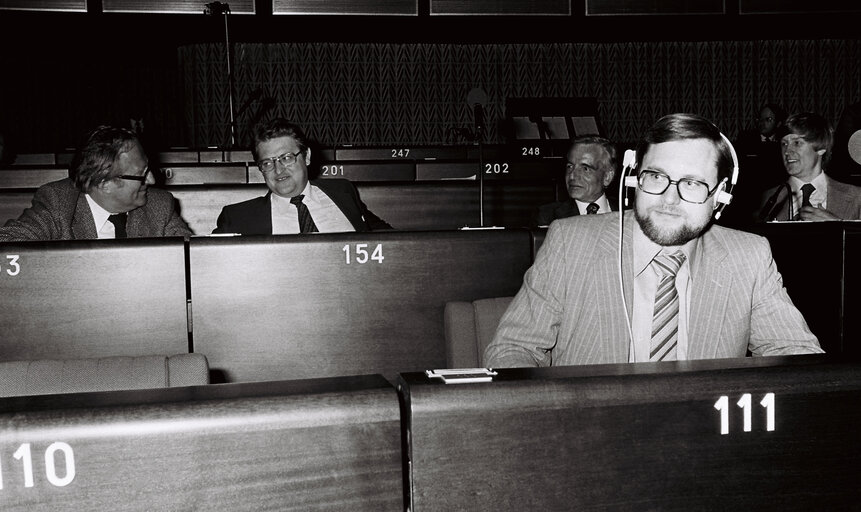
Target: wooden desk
x: 92, y: 298
x: 639, y: 437
x: 294, y: 306
x: 331, y: 444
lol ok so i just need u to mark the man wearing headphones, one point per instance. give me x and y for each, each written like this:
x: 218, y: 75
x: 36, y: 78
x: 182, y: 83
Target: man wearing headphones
x: 670, y: 286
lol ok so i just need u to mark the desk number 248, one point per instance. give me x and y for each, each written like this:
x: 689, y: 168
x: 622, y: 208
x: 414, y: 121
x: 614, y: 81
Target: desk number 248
x: 744, y: 403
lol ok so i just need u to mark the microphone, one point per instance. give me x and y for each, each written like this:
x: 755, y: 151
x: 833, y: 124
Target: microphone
x: 476, y: 99
x: 771, y: 206
x: 216, y: 8
x: 854, y: 146
x: 790, y: 213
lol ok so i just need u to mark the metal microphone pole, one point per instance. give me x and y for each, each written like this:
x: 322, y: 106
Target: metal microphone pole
x: 224, y: 9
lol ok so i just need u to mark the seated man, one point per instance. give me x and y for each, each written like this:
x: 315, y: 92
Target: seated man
x: 591, y: 166
x: 107, y: 196
x: 692, y: 290
x: 294, y: 204
x: 809, y: 194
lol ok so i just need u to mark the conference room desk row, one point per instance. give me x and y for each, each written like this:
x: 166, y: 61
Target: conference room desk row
x: 260, y: 307
x: 405, y: 205
x: 775, y: 433
x: 302, y: 306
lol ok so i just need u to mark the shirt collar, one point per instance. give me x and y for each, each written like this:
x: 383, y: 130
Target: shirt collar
x: 100, y: 215
x: 602, y: 202
x: 308, y: 192
x: 645, y: 250
x: 820, y: 182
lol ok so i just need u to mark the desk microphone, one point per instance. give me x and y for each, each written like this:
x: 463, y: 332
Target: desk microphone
x: 476, y: 99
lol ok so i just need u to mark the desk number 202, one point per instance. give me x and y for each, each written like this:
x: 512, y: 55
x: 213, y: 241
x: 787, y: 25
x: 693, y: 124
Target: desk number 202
x: 744, y: 403
x: 361, y: 253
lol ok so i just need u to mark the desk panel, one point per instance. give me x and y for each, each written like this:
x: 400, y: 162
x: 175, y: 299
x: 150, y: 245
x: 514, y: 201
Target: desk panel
x: 646, y: 436
x: 92, y: 298
x: 799, y: 246
x: 31, y: 177
x: 297, y: 306
x: 204, y: 174
x: 308, y: 445
x: 13, y: 203
x: 201, y: 205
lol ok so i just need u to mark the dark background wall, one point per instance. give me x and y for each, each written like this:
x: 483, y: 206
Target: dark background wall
x: 404, y: 79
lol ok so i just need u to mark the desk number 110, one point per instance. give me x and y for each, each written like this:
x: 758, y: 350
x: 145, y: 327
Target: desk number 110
x: 744, y: 403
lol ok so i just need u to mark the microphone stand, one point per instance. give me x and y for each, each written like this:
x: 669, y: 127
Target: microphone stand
x: 224, y: 9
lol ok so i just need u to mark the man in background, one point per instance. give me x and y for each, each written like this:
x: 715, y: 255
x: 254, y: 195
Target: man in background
x: 591, y: 165
x: 692, y: 290
x: 106, y: 196
x: 809, y: 194
x: 295, y: 204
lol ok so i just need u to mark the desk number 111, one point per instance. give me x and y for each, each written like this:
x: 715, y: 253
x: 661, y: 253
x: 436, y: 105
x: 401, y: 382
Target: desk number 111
x: 744, y: 403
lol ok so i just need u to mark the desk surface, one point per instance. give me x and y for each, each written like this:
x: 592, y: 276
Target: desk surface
x: 330, y: 444
x: 640, y: 437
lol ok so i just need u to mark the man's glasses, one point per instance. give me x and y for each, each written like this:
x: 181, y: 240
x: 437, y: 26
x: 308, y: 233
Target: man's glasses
x: 268, y: 165
x: 691, y: 191
x: 142, y: 178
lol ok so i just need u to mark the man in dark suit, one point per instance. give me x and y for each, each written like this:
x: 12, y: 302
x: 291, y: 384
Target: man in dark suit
x: 809, y: 194
x: 591, y: 165
x: 107, y: 196
x: 294, y: 204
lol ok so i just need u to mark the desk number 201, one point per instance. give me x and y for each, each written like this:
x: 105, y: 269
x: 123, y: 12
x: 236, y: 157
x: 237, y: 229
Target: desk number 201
x: 744, y: 403
x: 361, y: 253
x: 23, y: 454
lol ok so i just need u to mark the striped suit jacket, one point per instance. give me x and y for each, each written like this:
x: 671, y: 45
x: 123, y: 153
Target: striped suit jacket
x: 569, y: 309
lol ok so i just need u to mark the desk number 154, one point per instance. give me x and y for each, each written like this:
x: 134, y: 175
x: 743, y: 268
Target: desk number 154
x: 744, y: 404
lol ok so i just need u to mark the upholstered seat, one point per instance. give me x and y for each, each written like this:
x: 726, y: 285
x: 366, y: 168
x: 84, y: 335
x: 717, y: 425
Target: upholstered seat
x: 469, y: 328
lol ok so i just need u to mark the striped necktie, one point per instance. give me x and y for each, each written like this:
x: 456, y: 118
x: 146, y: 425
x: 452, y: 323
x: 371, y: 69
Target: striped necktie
x: 306, y: 223
x: 665, y: 321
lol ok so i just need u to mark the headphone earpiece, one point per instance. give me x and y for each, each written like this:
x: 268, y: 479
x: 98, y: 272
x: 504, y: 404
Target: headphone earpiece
x: 724, y: 195
x: 631, y: 181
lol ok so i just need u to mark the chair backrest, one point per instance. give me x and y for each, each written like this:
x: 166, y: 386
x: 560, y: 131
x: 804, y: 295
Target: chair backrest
x: 469, y: 328
x: 53, y: 376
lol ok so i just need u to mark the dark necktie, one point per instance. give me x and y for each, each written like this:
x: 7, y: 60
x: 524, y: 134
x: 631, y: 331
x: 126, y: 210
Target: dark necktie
x: 306, y: 223
x: 665, y: 320
x: 806, y: 191
x: 119, y: 222
x: 591, y: 209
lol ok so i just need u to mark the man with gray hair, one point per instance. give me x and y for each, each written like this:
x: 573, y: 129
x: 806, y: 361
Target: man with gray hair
x: 106, y: 196
x: 591, y: 164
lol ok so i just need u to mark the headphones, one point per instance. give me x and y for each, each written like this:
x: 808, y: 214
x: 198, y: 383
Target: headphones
x: 724, y: 194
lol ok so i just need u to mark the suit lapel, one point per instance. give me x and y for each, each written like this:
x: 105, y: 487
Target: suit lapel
x: 617, y: 343
x: 712, y: 286
x: 83, y: 226
x: 343, y: 199
x: 838, y: 202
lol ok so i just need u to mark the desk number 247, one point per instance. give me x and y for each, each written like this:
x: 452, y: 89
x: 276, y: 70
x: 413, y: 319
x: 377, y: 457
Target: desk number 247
x: 745, y: 404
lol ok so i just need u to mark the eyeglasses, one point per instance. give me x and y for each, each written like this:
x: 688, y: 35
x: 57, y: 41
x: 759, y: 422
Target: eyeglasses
x: 268, y: 165
x: 142, y: 178
x: 691, y: 191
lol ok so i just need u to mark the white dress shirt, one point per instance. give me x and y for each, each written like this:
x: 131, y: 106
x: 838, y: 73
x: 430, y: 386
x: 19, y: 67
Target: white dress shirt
x: 602, y: 202
x: 818, y: 198
x: 327, y: 216
x: 646, y: 281
x: 104, y: 228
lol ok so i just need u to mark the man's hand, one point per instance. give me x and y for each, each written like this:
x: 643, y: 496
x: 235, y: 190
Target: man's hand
x: 816, y: 213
